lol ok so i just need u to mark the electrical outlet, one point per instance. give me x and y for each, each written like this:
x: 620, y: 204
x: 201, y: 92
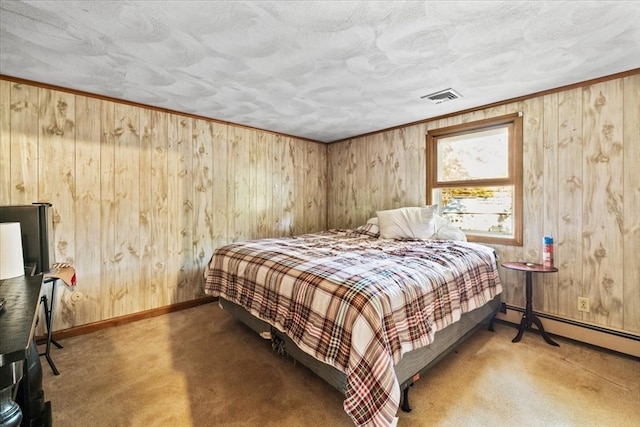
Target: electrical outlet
x: 583, y: 304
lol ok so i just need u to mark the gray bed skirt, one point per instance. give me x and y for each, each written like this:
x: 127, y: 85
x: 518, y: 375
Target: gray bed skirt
x: 415, y: 362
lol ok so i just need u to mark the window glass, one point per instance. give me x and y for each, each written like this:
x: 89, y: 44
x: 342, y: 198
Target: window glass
x: 472, y: 156
x: 479, y: 210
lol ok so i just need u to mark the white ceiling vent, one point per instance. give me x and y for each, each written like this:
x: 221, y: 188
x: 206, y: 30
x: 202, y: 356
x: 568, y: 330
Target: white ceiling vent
x: 442, y: 96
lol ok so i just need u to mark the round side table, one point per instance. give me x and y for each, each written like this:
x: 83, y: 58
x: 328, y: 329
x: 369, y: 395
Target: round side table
x: 528, y: 317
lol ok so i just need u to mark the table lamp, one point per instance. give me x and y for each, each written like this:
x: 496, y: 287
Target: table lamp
x: 11, y: 258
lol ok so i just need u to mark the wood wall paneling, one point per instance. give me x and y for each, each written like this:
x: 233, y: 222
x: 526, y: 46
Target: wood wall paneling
x: 577, y: 143
x: 376, y: 172
x: 360, y: 197
x: 603, y: 207
x: 180, y: 205
x: 299, y: 200
x: 336, y: 185
x: 568, y: 248
x: 393, y: 164
x: 220, y: 175
x: 160, y: 295
x: 253, y: 176
x: 142, y: 197
x: 414, y: 147
x: 313, y: 181
x: 125, y: 282
x: 203, y: 136
x: 275, y: 191
x: 288, y: 187
x: 109, y: 255
x: 239, y: 161
x: 355, y: 182
x: 56, y: 168
x: 88, y: 209
x: 532, y: 207
x: 147, y: 288
x: 5, y: 141
x: 631, y: 198
x: 319, y: 204
x: 377, y: 147
x: 294, y: 205
x: 550, y: 186
x: 264, y: 176
x: 347, y: 184
x: 24, y: 123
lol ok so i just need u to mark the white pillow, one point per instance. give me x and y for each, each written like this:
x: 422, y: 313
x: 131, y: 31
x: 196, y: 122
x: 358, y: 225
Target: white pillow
x: 445, y: 230
x: 407, y: 223
x: 373, y: 220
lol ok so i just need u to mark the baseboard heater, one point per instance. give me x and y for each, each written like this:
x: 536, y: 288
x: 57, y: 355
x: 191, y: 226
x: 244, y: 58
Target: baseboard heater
x: 576, y: 323
x: 619, y: 341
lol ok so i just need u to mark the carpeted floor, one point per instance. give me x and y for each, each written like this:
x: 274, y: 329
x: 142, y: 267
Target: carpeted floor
x: 200, y: 367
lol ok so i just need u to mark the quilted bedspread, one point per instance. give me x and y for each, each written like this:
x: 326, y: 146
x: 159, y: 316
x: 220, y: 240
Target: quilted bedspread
x: 356, y: 302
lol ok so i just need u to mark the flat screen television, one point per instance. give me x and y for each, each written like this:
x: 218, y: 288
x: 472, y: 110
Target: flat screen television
x: 36, y: 224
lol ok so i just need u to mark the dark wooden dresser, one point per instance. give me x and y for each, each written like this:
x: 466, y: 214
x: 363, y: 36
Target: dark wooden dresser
x: 20, y: 370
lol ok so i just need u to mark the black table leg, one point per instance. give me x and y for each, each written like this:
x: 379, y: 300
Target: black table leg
x: 48, y: 316
x: 544, y: 334
x: 521, y: 328
x: 528, y: 317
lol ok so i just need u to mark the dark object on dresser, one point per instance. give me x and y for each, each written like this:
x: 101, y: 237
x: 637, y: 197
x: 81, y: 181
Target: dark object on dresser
x: 36, y: 224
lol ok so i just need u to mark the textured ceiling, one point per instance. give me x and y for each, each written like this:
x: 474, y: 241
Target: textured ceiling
x: 323, y: 70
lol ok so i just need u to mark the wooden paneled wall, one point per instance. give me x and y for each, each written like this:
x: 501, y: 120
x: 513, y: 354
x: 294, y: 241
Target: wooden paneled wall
x: 141, y: 197
x: 581, y: 185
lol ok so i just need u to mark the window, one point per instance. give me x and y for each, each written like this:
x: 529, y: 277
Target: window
x: 475, y: 176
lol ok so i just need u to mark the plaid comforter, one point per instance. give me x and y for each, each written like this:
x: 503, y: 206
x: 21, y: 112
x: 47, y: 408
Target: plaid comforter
x: 355, y: 302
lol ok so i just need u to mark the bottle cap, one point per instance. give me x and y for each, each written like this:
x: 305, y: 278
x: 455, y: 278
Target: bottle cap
x: 548, y: 240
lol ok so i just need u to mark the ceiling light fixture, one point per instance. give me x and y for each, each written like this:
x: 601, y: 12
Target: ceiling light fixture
x: 442, y: 96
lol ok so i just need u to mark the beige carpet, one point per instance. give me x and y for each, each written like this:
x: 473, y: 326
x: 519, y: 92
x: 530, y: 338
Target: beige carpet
x: 200, y: 367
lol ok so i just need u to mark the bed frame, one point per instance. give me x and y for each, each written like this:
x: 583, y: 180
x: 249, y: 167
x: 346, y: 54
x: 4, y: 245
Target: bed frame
x: 408, y: 370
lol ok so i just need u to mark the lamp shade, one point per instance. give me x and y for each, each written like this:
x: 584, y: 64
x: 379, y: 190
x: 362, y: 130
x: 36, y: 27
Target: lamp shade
x: 11, y: 258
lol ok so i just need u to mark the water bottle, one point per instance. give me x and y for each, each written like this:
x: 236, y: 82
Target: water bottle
x: 547, y: 252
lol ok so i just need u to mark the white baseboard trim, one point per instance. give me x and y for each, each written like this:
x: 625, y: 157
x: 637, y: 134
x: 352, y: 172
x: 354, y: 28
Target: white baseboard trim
x: 578, y: 333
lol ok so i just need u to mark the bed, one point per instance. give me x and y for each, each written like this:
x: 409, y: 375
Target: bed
x: 365, y: 313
